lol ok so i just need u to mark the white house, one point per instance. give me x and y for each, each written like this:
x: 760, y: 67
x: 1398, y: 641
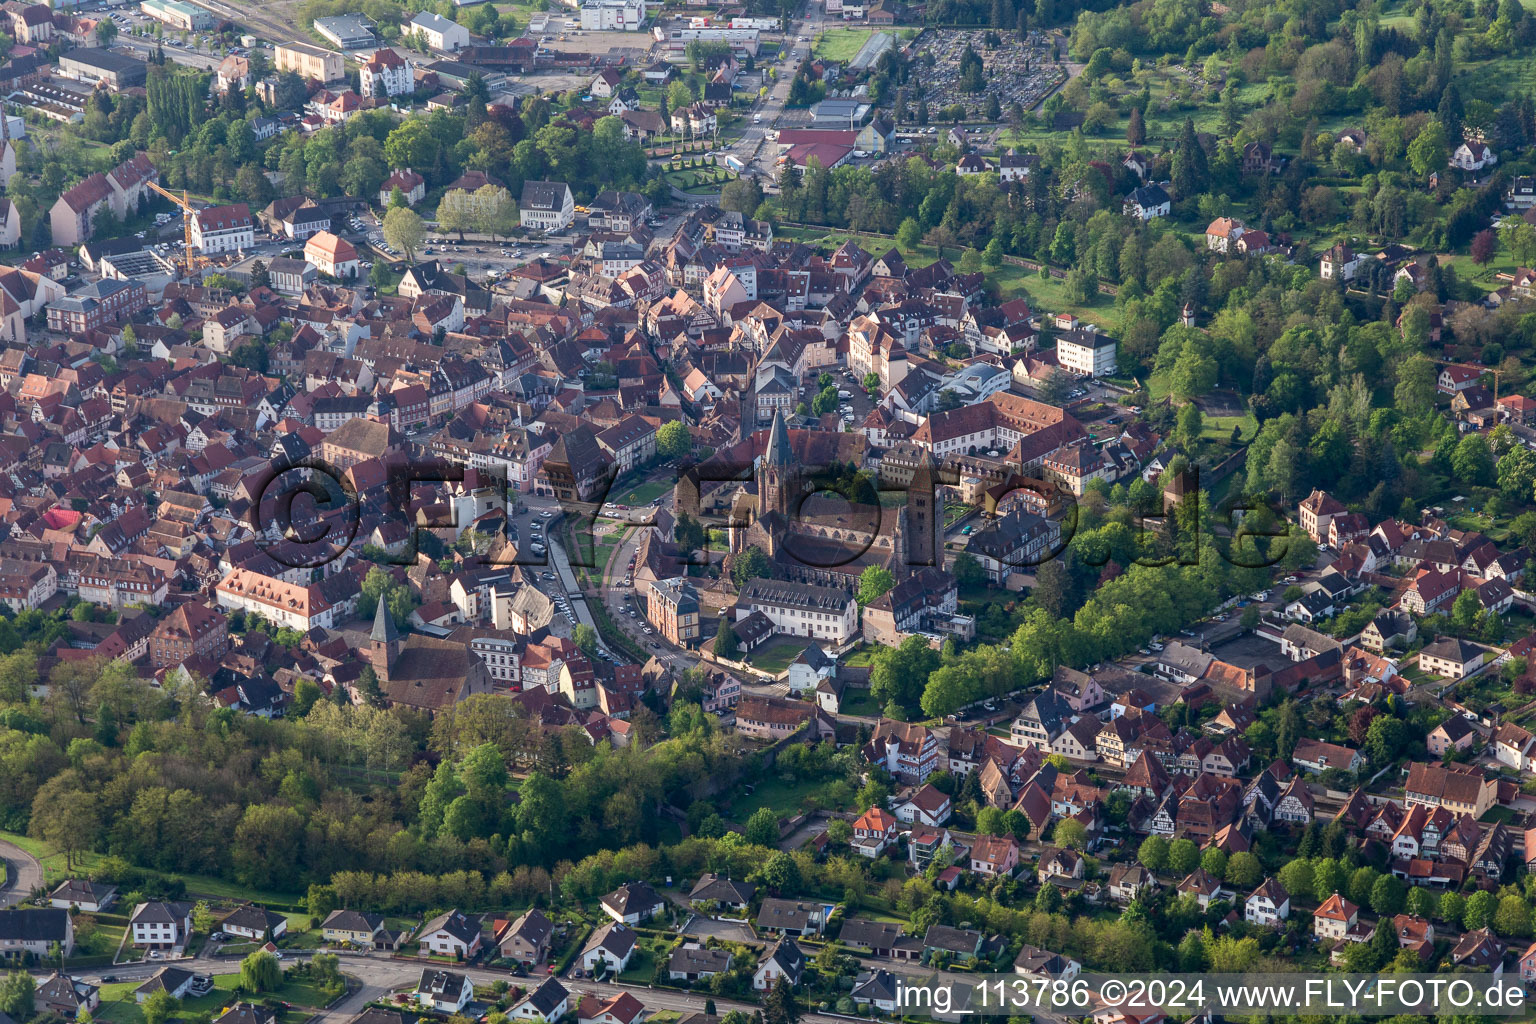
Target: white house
x: 1147, y: 203
x: 808, y: 670
x: 386, y: 73
x: 160, y: 925
x: 612, y: 945
x: 444, y: 991
x: 223, y: 228
x: 927, y: 806
x: 549, y: 1001
x: 546, y: 206
x: 439, y: 32
x: 1086, y: 352
x: 784, y: 959
x: 79, y: 893
x: 1473, y: 156
x: 1269, y: 905
x: 451, y: 934
x: 255, y: 923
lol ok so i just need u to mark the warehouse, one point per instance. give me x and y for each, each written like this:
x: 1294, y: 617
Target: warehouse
x: 178, y: 15
x: 348, y: 31
x: 94, y: 65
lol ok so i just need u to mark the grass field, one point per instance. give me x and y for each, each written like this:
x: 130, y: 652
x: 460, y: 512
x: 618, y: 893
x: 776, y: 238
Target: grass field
x: 787, y: 799
x: 642, y: 494
x: 841, y: 44
x: 858, y: 702
x: 118, y: 1004
x: 774, y: 656
x: 54, y: 871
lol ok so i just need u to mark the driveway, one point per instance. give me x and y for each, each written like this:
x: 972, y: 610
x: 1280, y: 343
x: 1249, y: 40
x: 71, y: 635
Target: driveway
x: 23, y: 874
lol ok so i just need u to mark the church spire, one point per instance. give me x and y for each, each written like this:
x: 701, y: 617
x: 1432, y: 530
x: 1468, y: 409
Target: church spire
x: 778, y: 452
x: 384, y: 631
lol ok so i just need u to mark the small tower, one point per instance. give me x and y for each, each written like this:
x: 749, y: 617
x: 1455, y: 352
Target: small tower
x: 384, y: 641
x: 1187, y: 315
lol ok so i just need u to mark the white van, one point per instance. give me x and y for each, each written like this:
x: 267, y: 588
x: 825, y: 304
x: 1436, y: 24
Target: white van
x: 757, y: 118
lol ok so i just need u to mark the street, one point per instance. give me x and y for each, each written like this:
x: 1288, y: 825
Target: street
x: 23, y: 874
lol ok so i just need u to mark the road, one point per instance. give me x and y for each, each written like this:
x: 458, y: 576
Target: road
x: 23, y: 874
x: 753, y: 149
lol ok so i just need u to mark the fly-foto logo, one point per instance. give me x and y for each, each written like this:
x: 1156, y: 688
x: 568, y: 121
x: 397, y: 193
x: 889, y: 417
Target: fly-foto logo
x: 307, y: 512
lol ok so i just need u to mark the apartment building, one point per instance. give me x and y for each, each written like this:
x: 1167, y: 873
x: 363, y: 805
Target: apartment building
x: 801, y: 609
x: 309, y: 61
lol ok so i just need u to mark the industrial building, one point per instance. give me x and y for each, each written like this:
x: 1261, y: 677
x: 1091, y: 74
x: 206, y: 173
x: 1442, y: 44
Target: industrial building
x: 348, y: 31
x: 308, y: 61
x: 95, y: 66
x: 178, y: 15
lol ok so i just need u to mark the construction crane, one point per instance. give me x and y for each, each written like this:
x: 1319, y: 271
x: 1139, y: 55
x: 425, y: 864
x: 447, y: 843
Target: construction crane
x: 191, y: 260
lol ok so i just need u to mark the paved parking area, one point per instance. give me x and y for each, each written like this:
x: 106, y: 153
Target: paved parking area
x: 730, y: 931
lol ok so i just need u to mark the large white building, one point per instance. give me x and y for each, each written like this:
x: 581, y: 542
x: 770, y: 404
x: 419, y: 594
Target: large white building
x: 439, y: 32
x: 801, y: 609
x: 613, y: 15
x: 223, y: 228
x: 546, y: 206
x: 1086, y: 352
x: 386, y: 73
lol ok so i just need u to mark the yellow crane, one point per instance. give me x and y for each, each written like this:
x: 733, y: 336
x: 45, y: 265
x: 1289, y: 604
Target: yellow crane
x: 191, y: 260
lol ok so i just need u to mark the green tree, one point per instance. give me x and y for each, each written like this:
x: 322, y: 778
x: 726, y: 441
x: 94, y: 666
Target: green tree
x: 1183, y: 855
x: 1153, y: 854
x: 1512, y: 920
x: 1479, y: 911
x: 260, y: 972
x: 1388, y: 896
x: 1473, y: 462
x: 585, y: 637
x: 159, y: 1007
x: 874, y: 582
x: 1244, y: 870
x: 750, y: 564
x: 909, y: 235
x: 673, y: 441
x: 763, y: 827
x: 404, y: 230
x: 18, y: 994
x: 1428, y: 151
x: 1453, y: 908
x: 725, y: 641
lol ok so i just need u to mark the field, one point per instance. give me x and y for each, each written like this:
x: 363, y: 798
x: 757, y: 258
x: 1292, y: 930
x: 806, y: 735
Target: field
x: 786, y: 799
x: 642, y: 494
x: 54, y: 871
x: 774, y: 656
x: 841, y: 44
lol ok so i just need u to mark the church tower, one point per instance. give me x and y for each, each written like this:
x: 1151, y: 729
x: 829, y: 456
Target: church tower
x: 384, y: 641
x: 775, y: 473
x: 920, y: 541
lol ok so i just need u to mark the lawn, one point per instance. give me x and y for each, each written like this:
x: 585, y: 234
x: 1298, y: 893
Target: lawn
x: 858, y: 701
x: 841, y: 44
x: 774, y: 656
x: 786, y: 799
x: 605, y: 549
x: 54, y: 871
x: 642, y: 494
